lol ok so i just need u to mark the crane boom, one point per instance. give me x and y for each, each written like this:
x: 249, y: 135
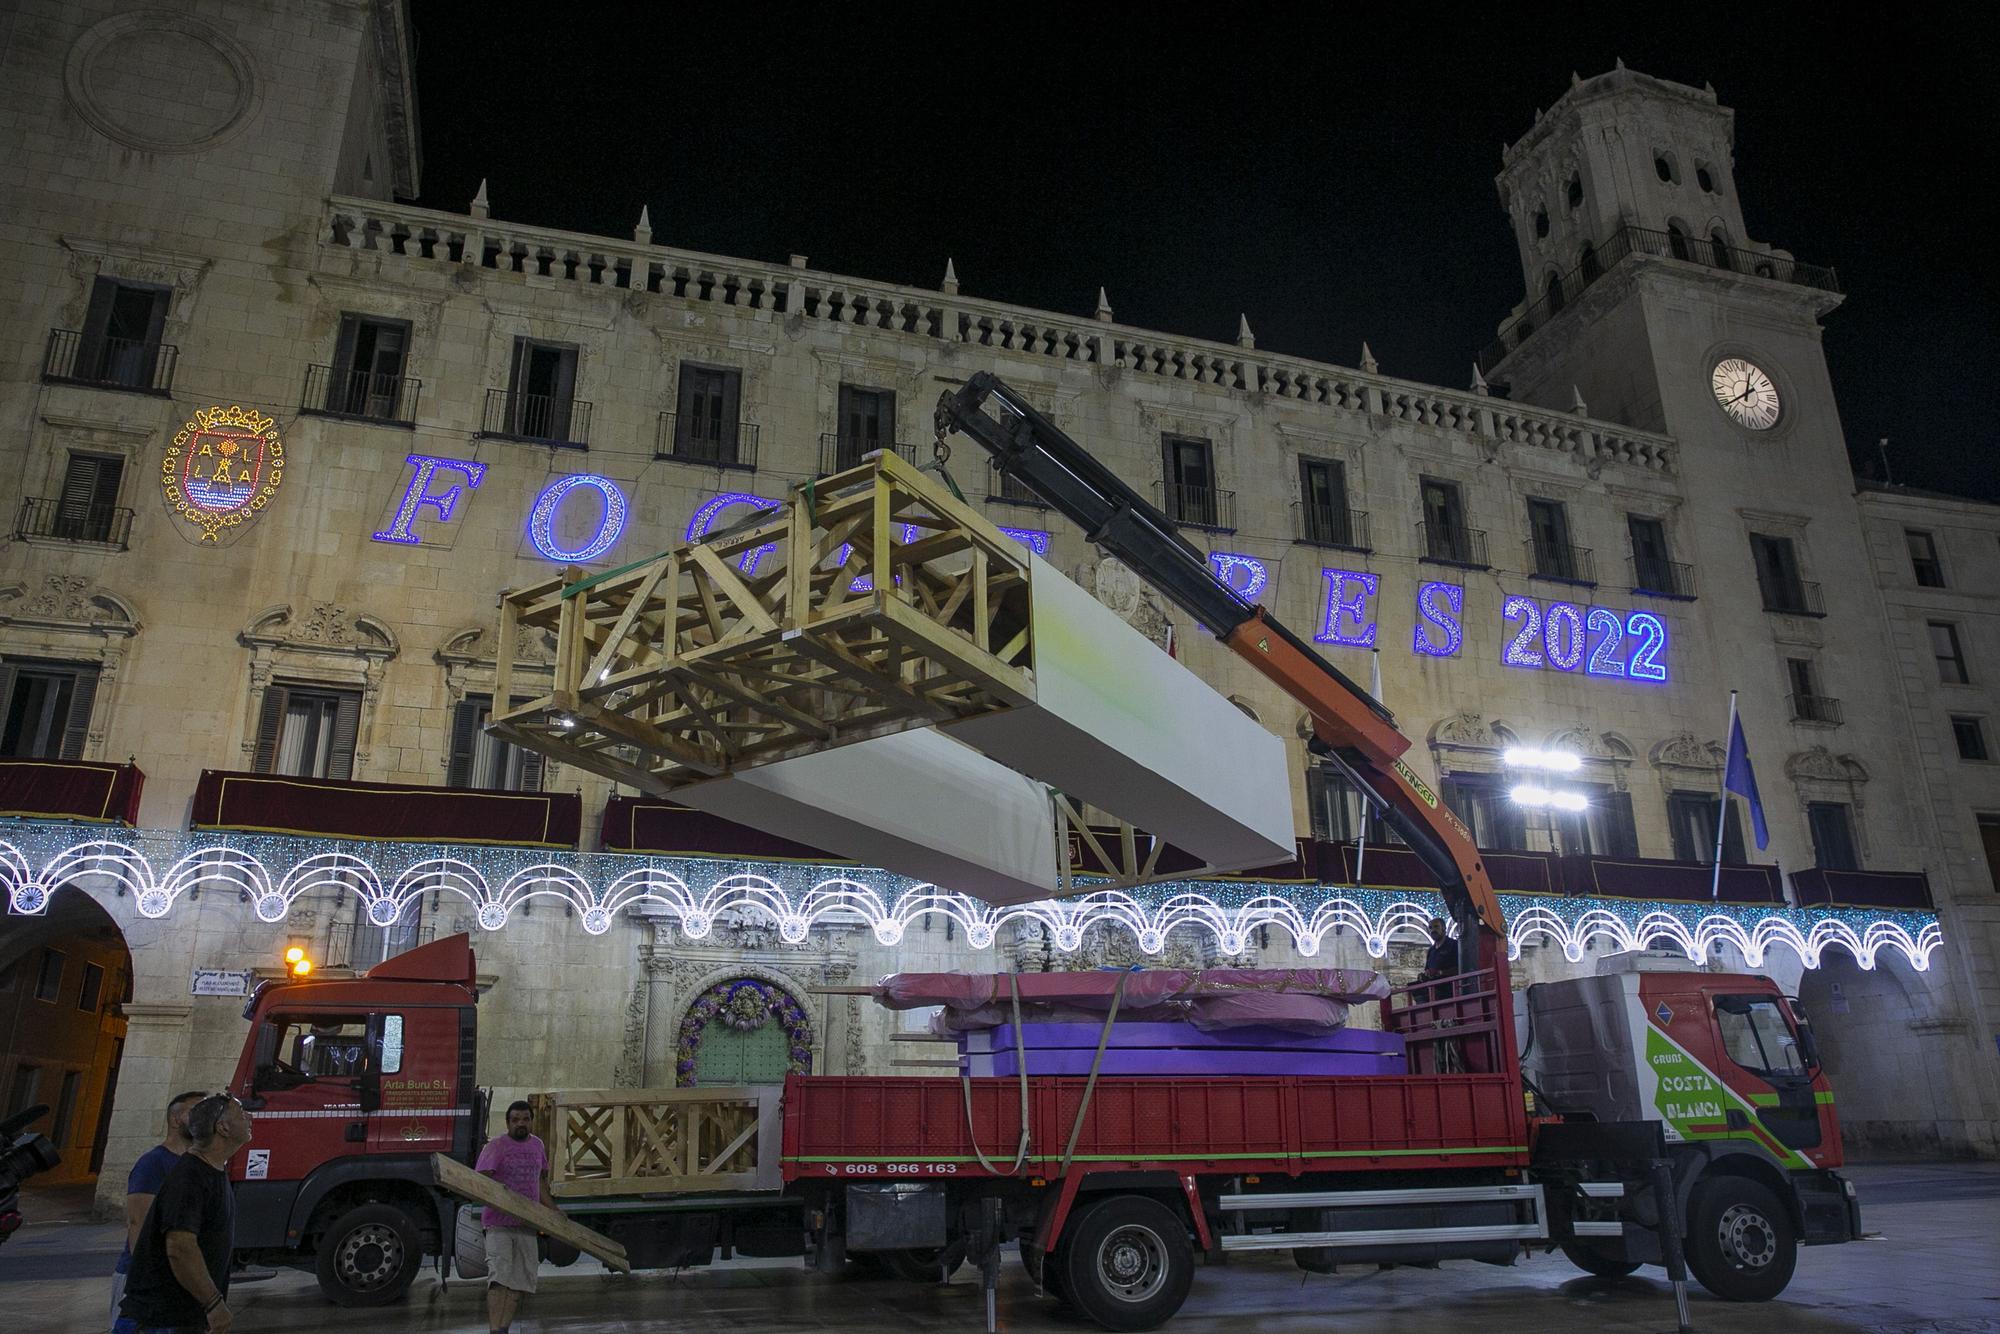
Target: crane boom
x: 1352, y: 729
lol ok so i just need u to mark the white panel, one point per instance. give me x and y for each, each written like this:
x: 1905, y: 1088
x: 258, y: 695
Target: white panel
x: 916, y: 803
x: 1127, y: 728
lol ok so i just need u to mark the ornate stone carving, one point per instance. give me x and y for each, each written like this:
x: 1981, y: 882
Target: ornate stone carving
x: 1463, y: 730
x: 115, y: 54
x: 327, y: 626
x: 1821, y: 765
x: 1127, y: 596
x: 631, y: 1068
x: 67, y: 602
x: 1684, y: 751
x: 851, y: 1058
x: 474, y: 645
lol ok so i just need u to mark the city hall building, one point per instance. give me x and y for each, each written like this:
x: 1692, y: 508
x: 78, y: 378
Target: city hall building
x: 278, y: 441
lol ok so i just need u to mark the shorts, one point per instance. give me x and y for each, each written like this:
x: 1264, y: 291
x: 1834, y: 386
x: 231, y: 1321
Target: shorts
x: 512, y: 1257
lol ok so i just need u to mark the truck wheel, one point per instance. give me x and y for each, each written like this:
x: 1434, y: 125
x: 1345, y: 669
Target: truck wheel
x: 1126, y: 1262
x: 369, y: 1256
x: 1593, y: 1261
x: 1740, y: 1240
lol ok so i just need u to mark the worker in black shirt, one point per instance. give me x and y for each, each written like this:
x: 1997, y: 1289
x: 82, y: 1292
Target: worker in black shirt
x: 180, y: 1263
x: 1441, y: 960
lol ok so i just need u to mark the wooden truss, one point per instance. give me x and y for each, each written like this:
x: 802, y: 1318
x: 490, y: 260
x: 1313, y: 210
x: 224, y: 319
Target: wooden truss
x: 645, y: 1141
x: 868, y: 602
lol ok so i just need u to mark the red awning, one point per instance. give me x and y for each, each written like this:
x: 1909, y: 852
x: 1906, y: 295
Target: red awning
x: 83, y: 790
x: 273, y: 804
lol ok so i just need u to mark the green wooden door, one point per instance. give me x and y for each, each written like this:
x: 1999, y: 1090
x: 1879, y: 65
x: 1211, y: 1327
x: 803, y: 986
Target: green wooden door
x: 729, y: 1057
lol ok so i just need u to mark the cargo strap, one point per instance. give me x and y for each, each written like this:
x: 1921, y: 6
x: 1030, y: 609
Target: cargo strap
x: 1021, y: 1073
x: 1090, y: 1084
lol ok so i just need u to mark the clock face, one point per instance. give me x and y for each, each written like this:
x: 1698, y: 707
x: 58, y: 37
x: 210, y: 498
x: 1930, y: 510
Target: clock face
x: 1746, y: 392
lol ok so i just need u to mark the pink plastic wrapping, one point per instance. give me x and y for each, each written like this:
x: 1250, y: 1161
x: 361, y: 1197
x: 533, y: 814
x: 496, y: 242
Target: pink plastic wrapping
x: 1302, y: 1000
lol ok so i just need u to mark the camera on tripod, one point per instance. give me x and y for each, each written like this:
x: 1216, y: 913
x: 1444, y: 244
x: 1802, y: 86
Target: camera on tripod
x: 23, y: 1157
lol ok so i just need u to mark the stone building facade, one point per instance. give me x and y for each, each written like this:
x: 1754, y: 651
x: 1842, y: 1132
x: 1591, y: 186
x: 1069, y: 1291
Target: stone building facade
x: 410, y: 390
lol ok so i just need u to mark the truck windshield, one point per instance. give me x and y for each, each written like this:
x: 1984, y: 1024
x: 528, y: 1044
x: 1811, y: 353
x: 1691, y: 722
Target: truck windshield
x: 332, y: 1047
x: 1756, y: 1036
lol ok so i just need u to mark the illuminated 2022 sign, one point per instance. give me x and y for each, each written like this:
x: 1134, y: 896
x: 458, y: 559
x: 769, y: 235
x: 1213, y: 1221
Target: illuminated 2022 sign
x: 1538, y: 635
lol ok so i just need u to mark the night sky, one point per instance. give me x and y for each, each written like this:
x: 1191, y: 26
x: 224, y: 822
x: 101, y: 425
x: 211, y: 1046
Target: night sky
x: 1326, y: 170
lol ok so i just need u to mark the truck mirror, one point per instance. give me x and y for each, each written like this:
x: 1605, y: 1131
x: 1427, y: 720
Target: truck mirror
x: 1808, y: 1048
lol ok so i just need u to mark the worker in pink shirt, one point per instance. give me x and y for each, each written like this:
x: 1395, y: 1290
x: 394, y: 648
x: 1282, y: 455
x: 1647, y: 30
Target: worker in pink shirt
x: 519, y: 1162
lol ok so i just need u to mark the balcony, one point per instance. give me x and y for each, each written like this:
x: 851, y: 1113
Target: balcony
x: 1663, y: 579
x: 838, y: 452
x: 1800, y: 597
x: 1001, y: 488
x: 1628, y: 241
x: 110, y: 363
x: 1197, y: 506
x: 545, y: 419
x: 87, y: 525
x: 706, y: 442
x: 360, y: 396
x: 1816, y: 709
x: 1327, y: 526
x: 1450, y: 544
x: 1559, y: 562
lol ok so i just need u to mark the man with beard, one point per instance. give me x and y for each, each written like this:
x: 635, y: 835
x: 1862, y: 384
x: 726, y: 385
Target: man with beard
x: 519, y: 1162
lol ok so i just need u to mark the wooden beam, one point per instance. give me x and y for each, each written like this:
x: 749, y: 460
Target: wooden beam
x: 460, y: 1180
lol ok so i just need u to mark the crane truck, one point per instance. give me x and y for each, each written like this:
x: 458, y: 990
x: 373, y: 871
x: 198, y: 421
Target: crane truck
x: 1675, y: 1113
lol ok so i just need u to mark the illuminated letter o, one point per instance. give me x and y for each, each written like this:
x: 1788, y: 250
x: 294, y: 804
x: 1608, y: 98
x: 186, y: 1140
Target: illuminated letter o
x: 542, y: 519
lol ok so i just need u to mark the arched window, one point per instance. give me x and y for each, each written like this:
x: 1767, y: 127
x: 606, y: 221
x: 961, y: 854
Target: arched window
x: 1721, y: 245
x: 1587, y: 264
x: 1677, y: 241
x: 1555, y: 293
x: 1541, y: 223
x: 1663, y: 163
x: 1703, y: 178
x: 1575, y: 191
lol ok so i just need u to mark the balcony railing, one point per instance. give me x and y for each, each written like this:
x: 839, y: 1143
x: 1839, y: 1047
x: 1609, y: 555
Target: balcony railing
x: 1198, y: 506
x: 838, y: 452
x: 1801, y: 597
x: 1562, y: 563
x: 1815, y: 709
x: 544, y: 418
x: 110, y: 363
x: 709, y: 442
x: 1443, y: 544
x: 1330, y: 526
x: 1663, y: 579
x: 1010, y: 490
x: 1627, y: 241
x: 361, y: 395
x: 50, y: 519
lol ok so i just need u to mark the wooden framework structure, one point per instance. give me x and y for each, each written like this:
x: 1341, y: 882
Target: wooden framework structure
x: 866, y: 603
x: 647, y: 1141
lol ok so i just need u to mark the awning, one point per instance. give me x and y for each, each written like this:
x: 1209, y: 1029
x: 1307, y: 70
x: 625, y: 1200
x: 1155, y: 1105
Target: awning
x: 71, y: 790
x: 275, y: 804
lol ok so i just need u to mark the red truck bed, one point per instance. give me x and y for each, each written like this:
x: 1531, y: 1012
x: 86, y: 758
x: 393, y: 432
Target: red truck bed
x: 904, y: 1126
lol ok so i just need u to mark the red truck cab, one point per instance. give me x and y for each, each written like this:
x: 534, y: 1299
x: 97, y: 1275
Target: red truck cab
x: 351, y: 1086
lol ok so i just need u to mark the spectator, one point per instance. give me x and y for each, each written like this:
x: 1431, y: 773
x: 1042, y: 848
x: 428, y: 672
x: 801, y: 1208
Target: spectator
x: 1440, y: 961
x: 143, y: 1183
x: 521, y: 1164
x: 179, y: 1275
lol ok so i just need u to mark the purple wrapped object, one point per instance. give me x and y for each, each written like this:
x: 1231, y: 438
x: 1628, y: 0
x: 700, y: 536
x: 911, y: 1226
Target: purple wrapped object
x: 1191, y: 1061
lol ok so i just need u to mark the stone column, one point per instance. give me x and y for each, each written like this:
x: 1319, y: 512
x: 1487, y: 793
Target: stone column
x: 663, y: 986
x: 156, y: 1051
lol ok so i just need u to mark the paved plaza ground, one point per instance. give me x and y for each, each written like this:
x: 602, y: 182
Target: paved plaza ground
x: 1935, y: 1268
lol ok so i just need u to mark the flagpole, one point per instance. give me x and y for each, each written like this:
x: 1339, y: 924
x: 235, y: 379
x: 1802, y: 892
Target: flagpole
x: 1722, y: 806
x: 1375, y: 689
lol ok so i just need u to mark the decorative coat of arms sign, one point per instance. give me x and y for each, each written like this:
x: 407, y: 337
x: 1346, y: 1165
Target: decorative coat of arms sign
x: 222, y: 467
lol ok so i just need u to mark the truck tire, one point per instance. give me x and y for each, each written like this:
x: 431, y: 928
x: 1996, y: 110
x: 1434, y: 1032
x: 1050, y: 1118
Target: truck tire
x: 1126, y: 1262
x: 369, y: 1256
x: 1741, y: 1243
x: 1593, y: 1261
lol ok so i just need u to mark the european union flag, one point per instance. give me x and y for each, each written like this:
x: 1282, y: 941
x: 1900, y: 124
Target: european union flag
x: 1738, y: 777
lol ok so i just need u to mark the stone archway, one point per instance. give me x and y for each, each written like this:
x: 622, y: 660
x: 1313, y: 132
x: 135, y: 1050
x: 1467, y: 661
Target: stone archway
x: 743, y: 1030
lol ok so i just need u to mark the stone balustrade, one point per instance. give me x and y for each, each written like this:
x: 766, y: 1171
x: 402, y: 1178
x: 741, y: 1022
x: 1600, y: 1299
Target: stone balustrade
x: 807, y: 294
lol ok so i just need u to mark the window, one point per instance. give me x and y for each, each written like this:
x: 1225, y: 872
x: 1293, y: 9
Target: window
x: 331, y: 1047
x: 121, y: 334
x: 1323, y: 501
x: 1481, y: 801
x: 48, y: 981
x: 1832, y: 836
x: 1950, y: 657
x: 1989, y: 840
x: 369, y: 944
x: 1188, y: 464
x: 1720, y: 245
x: 867, y: 423
x: 1703, y: 178
x: 1575, y: 192
x: 368, y: 363
x: 1553, y: 293
x: 1677, y: 241
x: 1756, y: 1035
x: 92, y: 991
x: 1336, y: 809
x: 1604, y: 829
x: 72, y: 1084
x: 1664, y: 166
x: 87, y: 509
x: 392, y: 1044
x: 480, y: 760
x: 1541, y: 223
x: 21, y: 1096
x: 1548, y: 530
x: 1970, y: 733
x: 307, y: 733
x: 1691, y: 821
x: 1777, y: 573
x: 1445, y: 535
x: 48, y: 708
x: 705, y: 418
x: 541, y: 391
x: 1924, y: 561
x: 1586, y: 263
x: 1652, y: 562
